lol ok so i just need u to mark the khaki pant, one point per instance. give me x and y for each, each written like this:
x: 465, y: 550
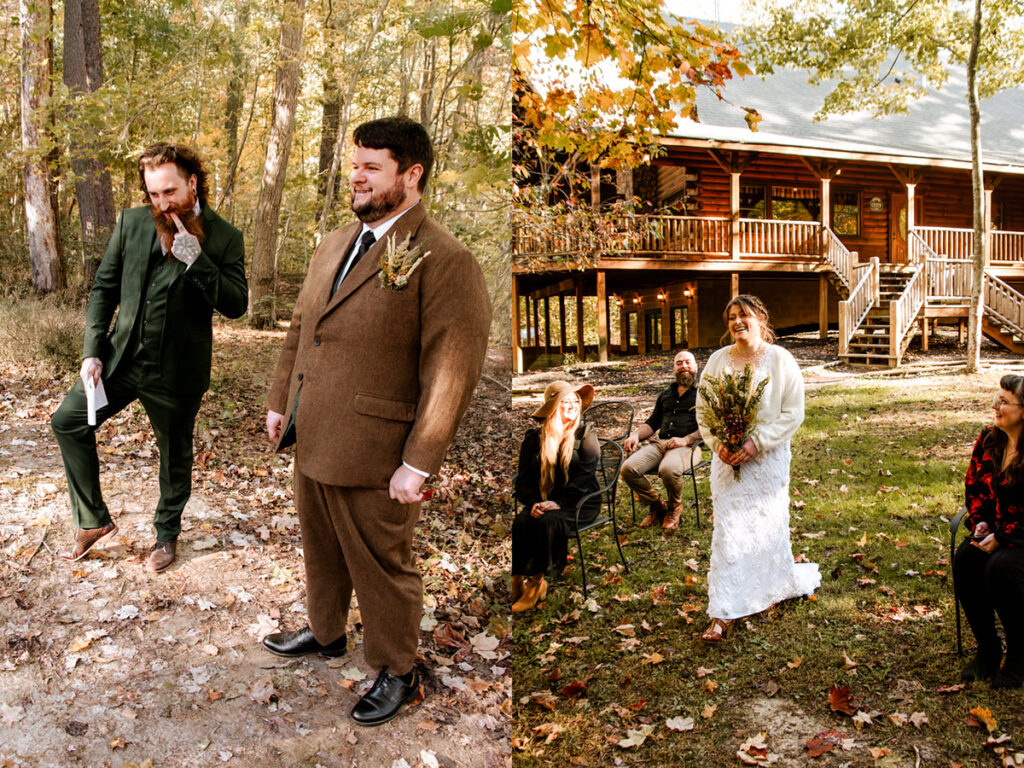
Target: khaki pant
x: 672, y: 466
x: 360, y: 539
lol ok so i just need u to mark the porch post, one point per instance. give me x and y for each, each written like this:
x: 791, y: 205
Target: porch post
x: 517, y: 347
x: 602, y: 317
x: 563, y: 341
x: 547, y: 325
x: 734, y: 284
x: 692, y: 318
x: 536, y: 323
x: 988, y: 225
x: 641, y: 329
x: 581, y: 351
x: 666, y: 325
x: 822, y: 306
x: 924, y: 334
x: 734, y: 214
x: 826, y: 203
x: 910, y: 207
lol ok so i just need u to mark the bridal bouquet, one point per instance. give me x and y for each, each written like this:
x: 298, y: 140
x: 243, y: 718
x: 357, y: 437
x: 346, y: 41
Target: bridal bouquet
x: 729, y: 406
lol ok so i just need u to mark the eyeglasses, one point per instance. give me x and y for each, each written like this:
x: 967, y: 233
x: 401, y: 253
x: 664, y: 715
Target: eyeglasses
x: 1001, y: 403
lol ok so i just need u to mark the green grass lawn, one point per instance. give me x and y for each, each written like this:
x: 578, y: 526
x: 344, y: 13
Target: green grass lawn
x: 877, y: 472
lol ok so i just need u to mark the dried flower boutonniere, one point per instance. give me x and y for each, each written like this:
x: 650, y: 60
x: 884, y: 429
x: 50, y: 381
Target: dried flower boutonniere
x: 398, y: 262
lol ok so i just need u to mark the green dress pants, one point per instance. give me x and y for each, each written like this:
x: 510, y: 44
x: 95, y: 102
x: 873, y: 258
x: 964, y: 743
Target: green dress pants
x: 172, y: 416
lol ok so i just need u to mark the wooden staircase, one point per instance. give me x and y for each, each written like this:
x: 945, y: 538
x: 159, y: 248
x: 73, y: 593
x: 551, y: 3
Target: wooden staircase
x: 1004, y: 335
x: 870, y: 344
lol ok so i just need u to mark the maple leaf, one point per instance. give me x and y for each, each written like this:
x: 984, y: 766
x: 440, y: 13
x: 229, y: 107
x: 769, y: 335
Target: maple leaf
x: 877, y: 753
x: 262, y: 690
x: 574, y: 690
x: 898, y: 719
x: 709, y: 711
x: 842, y: 700
x: 652, y: 658
x: 796, y: 662
x: 544, y: 699
x: 626, y: 630
x: 703, y: 671
x: 918, y: 719
x: 680, y: 724
x: 823, y: 742
x: 861, y: 719
x: 984, y: 715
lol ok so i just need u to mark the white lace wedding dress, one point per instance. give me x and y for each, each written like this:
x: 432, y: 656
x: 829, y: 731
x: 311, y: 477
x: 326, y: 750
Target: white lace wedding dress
x: 751, y: 558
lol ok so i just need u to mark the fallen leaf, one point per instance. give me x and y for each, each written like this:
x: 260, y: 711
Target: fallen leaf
x: 545, y: 699
x: 861, y: 719
x: 548, y: 731
x: 898, y: 719
x: 703, y: 671
x: 754, y: 751
x: 636, y: 738
x: 877, y: 753
x: 984, y: 715
x: 710, y: 685
x: 574, y: 690
x: 952, y: 688
x: 709, y: 711
x: 841, y: 700
x: 848, y: 663
x: 796, y: 662
x: 823, y: 742
x: 918, y: 719
x: 261, y: 690
x: 680, y: 724
x: 11, y: 713
x: 626, y: 630
x: 652, y: 658
x: 118, y: 743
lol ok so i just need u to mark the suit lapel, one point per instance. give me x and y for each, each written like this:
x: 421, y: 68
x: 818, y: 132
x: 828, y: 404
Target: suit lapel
x: 332, y: 263
x: 369, y: 265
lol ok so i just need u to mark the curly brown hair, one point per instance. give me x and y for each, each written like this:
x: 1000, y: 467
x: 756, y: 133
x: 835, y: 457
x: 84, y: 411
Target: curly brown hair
x: 187, y: 160
x: 749, y: 305
x: 997, y: 440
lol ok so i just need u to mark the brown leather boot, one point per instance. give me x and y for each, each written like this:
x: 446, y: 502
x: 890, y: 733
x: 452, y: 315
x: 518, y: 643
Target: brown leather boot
x: 161, y: 556
x: 517, y: 587
x: 86, y: 539
x: 535, y: 589
x: 671, y: 521
x: 655, y: 513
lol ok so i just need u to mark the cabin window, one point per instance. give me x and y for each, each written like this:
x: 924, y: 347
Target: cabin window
x: 846, y: 213
x: 753, y: 202
x: 652, y: 328
x: 679, y: 334
x: 796, y: 204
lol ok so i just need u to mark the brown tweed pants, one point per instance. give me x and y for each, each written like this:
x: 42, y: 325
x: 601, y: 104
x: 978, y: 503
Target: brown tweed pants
x: 360, y: 539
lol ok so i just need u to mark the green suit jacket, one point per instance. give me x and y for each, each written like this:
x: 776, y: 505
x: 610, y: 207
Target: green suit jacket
x: 216, y: 280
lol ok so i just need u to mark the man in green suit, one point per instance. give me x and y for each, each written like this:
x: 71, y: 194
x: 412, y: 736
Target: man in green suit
x: 167, y: 267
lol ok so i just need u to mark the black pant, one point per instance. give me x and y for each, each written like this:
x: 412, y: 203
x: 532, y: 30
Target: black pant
x: 541, y: 544
x: 172, y: 416
x: 990, y: 584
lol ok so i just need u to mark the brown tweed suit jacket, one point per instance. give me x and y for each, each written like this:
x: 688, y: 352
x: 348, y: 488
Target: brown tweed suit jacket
x: 385, y: 375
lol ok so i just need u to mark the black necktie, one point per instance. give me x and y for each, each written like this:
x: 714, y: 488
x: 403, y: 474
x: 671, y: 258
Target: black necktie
x: 365, y: 243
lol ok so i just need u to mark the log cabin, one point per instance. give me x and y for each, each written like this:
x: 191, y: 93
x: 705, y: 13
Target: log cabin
x: 853, y: 223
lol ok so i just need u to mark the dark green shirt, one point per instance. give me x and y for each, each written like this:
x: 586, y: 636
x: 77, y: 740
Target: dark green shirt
x: 150, y: 328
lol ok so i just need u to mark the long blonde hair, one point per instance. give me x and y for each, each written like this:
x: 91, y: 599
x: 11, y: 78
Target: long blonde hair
x: 556, y: 443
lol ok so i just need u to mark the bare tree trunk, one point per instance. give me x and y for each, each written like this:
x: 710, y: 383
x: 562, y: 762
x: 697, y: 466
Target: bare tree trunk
x: 262, y: 312
x: 331, y: 117
x: 41, y: 214
x: 83, y: 73
x: 977, y: 309
x: 233, y: 106
x: 346, y: 102
x: 427, y: 78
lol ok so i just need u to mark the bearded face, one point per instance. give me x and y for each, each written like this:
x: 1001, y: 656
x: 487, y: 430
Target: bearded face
x: 371, y: 205
x: 170, y: 192
x: 685, y: 378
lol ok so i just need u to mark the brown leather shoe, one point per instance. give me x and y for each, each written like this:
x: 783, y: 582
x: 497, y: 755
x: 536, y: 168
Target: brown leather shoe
x: 655, y: 515
x: 86, y: 539
x: 162, y: 555
x: 671, y: 521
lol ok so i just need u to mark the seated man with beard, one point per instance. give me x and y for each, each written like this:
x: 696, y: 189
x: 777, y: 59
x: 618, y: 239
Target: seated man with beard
x: 168, y: 266
x: 672, y: 436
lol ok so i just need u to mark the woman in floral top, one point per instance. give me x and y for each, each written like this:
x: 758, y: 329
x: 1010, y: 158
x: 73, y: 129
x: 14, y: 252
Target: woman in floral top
x: 989, y: 566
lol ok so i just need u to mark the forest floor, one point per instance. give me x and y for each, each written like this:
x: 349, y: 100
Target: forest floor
x: 104, y: 664
x: 864, y: 673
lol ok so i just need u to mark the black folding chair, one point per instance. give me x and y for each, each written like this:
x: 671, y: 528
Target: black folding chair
x: 607, y: 474
x: 954, y: 526
x: 612, y: 420
x: 692, y: 472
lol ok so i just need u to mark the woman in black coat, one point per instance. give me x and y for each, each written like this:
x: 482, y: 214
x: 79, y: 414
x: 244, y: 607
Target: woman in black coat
x: 557, y: 467
x: 989, y: 566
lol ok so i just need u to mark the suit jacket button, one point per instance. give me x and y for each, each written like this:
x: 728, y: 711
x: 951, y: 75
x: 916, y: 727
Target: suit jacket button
x: 300, y: 377
x: 316, y: 342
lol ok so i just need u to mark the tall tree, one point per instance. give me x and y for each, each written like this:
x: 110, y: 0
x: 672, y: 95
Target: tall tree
x: 878, y: 52
x: 233, y: 106
x: 41, y: 212
x: 83, y: 74
x: 262, y: 309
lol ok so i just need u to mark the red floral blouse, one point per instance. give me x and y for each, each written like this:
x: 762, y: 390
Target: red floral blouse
x: 999, y: 504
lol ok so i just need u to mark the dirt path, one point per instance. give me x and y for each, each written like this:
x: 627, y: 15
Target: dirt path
x: 105, y: 664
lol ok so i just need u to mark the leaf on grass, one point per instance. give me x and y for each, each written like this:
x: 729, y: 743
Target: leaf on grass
x: 709, y: 711
x: 823, y: 742
x: 626, y: 630
x: 545, y: 699
x: 861, y: 719
x: 636, y: 738
x: 952, y: 688
x: 548, y: 731
x: 918, y: 719
x: 848, y: 663
x: 898, y: 719
x: 658, y: 595
x: 984, y: 715
x: 710, y: 685
x: 842, y: 700
x: 574, y: 690
x: 484, y: 645
x: 652, y: 658
x: 754, y: 751
x: 877, y: 753
x: 796, y: 662
x: 703, y: 671
x: 680, y: 724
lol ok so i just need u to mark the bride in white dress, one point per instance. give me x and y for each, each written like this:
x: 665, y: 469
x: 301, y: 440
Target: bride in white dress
x: 752, y: 564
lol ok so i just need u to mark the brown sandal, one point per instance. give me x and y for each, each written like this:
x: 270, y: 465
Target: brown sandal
x: 719, y: 630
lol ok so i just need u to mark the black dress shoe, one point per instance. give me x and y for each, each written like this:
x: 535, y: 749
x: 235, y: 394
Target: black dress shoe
x: 382, y: 702
x: 983, y: 666
x: 301, y: 643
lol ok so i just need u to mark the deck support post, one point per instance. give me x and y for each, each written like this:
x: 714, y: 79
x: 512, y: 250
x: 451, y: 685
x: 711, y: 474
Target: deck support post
x: 602, y: 318
x: 517, y: 346
x: 822, y: 307
x: 924, y: 334
x: 581, y: 352
x: 734, y: 215
x: 734, y: 284
x: 547, y: 325
x: 563, y: 340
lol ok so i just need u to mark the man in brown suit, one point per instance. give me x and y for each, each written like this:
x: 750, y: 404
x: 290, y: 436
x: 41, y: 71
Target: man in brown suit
x: 377, y: 370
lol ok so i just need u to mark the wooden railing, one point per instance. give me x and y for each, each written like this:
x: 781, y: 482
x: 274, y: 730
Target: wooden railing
x: 1004, y: 302
x: 1007, y: 246
x: 557, y: 236
x: 838, y: 257
x: 947, y: 242
x: 950, y: 279
x: 903, y: 311
x: 687, y: 235
x: 863, y: 297
x: 767, y: 237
